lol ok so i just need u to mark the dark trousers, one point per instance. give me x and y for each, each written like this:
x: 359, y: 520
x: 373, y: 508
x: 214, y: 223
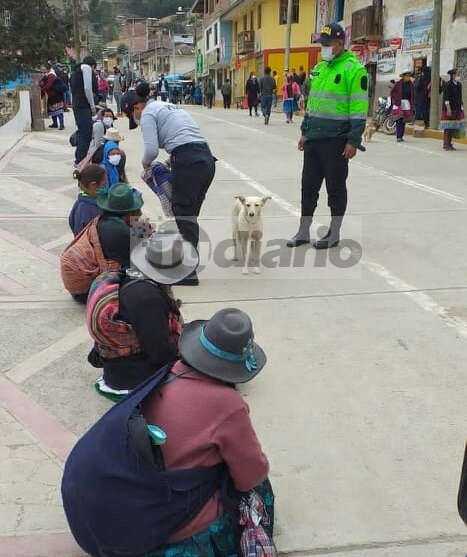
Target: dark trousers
x: 209, y: 99
x: 400, y: 128
x: 266, y: 105
x: 447, y: 138
x: 323, y: 160
x: 193, y: 170
x: 227, y: 100
x: 83, y: 119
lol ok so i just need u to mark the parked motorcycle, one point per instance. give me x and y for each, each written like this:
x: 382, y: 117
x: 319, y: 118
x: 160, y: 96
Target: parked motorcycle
x: 382, y: 119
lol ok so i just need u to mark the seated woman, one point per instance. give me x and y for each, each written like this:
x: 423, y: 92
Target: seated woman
x: 104, y: 244
x: 113, y: 134
x: 104, y: 121
x: 132, y: 316
x: 111, y: 158
x: 181, y: 497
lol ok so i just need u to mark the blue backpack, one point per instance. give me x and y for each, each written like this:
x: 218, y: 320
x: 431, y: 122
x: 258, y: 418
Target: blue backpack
x: 118, y: 498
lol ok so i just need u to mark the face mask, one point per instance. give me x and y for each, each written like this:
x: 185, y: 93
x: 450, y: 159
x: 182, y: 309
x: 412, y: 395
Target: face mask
x: 115, y: 159
x: 458, y: 78
x: 326, y: 53
x: 107, y: 122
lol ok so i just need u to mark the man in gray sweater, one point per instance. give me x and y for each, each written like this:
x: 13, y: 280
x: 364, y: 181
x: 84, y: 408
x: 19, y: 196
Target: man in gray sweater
x: 166, y: 126
x: 267, y: 88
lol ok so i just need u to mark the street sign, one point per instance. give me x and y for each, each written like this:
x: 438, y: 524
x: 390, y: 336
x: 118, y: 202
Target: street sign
x: 396, y: 42
x: 373, y: 45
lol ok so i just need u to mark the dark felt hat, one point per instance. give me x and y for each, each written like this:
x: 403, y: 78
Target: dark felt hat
x: 165, y: 258
x: 223, y: 347
x: 121, y: 199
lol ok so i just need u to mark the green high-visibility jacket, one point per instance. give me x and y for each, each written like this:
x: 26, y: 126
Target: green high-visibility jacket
x: 338, y: 100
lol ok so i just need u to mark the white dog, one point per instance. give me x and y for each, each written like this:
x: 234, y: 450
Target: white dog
x: 247, y: 230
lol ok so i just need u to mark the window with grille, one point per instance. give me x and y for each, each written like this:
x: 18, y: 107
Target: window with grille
x: 245, y: 23
x: 283, y: 11
x: 461, y: 62
x: 7, y: 18
x: 259, y: 16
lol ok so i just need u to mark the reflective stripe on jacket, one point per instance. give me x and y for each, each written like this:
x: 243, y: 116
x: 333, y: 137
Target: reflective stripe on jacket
x: 338, y: 100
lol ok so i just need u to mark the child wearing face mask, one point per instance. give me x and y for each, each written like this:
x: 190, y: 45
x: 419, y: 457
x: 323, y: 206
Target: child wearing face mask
x: 110, y: 160
x: 91, y: 180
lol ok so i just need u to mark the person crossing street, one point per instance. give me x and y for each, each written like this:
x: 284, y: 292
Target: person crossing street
x: 331, y: 133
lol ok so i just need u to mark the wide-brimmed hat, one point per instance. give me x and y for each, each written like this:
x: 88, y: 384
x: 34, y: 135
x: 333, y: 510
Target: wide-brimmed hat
x: 121, y: 199
x: 165, y: 258
x: 114, y: 134
x: 223, y: 347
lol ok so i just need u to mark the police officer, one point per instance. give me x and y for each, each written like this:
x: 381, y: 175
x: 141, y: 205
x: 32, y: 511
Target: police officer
x: 331, y: 133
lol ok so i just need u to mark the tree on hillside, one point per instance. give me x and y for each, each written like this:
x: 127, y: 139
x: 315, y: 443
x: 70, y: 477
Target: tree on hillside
x: 30, y: 33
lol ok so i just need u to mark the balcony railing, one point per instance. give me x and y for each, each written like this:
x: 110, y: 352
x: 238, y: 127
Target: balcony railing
x: 245, y: 42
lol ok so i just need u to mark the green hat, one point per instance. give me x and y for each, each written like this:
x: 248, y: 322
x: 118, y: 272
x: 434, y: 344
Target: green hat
x: 120, y: 199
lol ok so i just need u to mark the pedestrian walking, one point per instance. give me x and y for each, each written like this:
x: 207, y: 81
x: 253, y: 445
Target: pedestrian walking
x: 452, y: 115
x: 331, y: 133
x: 163, y: 88
x: 267, y: 88
x: 118, y: 90
x: 290, y: 97
x: 252, y: 93
x: 178, y: 495
x: 226, y: 91
x: 83, y: 88
x: 193, y: 165
x: 209, y: 91
x: 403, y: 99
x: 102, y: 87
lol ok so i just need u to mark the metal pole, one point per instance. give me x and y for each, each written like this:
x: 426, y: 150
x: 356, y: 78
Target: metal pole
x: 435, y: 63
x: 288, y: 33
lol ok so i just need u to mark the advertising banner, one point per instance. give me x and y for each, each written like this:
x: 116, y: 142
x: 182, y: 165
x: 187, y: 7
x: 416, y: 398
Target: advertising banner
x: 418, y: 31
x: 386, y: 64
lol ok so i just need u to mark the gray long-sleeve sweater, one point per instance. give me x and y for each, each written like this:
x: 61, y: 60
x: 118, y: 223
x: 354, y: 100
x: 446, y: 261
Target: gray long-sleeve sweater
x: 165, y: 126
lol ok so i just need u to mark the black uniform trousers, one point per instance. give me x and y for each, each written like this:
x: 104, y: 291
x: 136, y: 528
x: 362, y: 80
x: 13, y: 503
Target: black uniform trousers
x: 193, y: 169
x: 323, y: 160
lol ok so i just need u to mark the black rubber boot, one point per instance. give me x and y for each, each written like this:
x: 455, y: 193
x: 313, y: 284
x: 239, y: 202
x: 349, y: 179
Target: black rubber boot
x: 303, y: 234
x: 332, y: 238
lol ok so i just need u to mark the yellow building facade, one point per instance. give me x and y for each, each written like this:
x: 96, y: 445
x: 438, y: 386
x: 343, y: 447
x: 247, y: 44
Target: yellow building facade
x: 259, y: 37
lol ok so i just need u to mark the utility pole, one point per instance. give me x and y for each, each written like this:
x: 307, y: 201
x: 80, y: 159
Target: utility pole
x: 288, y: 34
x: 435, y: 63
x: 76, y: 28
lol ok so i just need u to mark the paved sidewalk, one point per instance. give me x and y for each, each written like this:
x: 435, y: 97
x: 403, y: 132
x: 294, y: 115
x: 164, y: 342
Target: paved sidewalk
x: 361, y: 408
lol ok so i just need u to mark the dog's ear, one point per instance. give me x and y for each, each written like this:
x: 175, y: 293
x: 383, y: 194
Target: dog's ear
x: 241, y: 198
x: 265, y: 198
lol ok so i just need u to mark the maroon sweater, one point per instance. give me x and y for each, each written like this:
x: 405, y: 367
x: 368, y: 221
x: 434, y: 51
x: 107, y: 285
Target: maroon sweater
x: 207, y: 422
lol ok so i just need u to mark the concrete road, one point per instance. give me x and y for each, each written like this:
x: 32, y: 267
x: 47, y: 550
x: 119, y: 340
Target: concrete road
x: 361, y: 408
